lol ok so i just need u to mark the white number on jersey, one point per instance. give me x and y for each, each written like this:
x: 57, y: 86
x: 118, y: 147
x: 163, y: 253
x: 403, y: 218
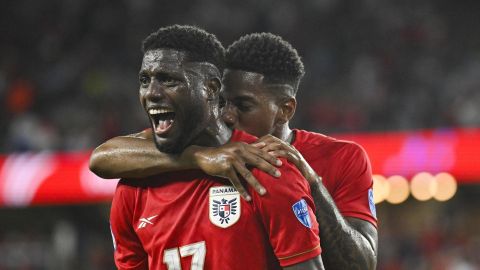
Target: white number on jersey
x: 171, y: 257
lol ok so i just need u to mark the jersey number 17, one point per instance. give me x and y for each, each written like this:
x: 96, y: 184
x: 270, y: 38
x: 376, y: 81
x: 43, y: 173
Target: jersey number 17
x: 172, y: 256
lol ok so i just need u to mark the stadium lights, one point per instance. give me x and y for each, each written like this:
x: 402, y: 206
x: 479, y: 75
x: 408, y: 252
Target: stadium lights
x: 447, y: 187
x: 399, y: 190
x: 381, y: 188
x: 423, y: 186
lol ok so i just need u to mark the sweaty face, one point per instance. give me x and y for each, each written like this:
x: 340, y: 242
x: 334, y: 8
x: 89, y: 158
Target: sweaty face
x: 172, y: 93
x: 250, y: 107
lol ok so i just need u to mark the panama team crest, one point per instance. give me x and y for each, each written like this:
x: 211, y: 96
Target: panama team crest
x: 224, y: 206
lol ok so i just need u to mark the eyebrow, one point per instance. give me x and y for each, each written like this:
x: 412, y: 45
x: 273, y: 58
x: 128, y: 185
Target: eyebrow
x: 160, y: 73
x: 244, y: 98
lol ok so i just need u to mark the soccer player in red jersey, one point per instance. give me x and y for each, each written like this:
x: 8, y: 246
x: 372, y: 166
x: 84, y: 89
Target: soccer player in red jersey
x: 261, y: 80
x: 260, y: 84
x: 187, y: 219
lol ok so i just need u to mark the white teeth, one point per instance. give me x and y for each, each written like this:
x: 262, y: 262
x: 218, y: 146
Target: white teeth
x: 158, y: 111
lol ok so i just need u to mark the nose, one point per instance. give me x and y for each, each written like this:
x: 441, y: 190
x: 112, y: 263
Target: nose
x: 154, y: 91
x: 230, y: 116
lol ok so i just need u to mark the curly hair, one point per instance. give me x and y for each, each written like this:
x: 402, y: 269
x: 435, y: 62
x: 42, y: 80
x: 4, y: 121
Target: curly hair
x: 198, y: 43
x: 267, y: 54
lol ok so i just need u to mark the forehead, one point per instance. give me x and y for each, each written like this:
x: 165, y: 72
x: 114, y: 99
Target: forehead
x: 238, y: 82
x: 164, y: 59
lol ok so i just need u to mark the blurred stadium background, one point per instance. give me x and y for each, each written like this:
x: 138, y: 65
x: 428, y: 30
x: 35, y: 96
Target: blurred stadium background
x: 402, y: 78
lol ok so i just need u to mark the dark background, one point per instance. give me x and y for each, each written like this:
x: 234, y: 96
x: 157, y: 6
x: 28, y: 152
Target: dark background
x: 68, y: 81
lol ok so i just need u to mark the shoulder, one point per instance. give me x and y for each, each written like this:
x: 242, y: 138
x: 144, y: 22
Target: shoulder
x: 125, y: 193
x: 291, y: 180
x: 349, y: 149
x: 307, y: 142
x: 304, y: 137
x: 129, y: 189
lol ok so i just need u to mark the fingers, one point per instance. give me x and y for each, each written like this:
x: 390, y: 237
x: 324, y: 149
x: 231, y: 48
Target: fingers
x: 300, y: 163
x: 232, y: 176
x: 259, y: 144
x: 259, y: 161
x: 290, y: 156
x: 263, y: 155
x: 248, y: 176
x: 281, y: 150
x: 273, y: 143
x: 268, y: 139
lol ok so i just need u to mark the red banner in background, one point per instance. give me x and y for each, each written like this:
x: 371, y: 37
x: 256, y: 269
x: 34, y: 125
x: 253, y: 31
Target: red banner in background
x: 64, y: 178
x: 50, y: 178
x: 455, y: 151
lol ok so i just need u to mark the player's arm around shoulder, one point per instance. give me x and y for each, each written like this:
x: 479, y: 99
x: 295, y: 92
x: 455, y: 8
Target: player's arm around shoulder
x: 287, y: 212
x: 132, y: 156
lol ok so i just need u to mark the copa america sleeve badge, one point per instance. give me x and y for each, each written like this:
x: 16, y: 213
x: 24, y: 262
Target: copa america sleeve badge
x: 224, y: 206
x: 300, y: 209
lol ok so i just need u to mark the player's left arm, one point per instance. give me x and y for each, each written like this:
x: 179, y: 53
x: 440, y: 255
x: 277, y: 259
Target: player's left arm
x: 348, y: 242
x: 312, y: 264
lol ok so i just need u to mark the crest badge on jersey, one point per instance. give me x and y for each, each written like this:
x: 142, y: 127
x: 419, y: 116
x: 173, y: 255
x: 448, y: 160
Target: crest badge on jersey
x: 300, y: 209
x: 224, y: 206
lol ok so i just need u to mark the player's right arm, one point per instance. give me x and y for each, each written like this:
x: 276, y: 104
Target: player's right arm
x: 135, y: 156
x: 132, y: 156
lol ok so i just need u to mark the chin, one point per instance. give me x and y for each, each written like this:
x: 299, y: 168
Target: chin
x: 168, y: 145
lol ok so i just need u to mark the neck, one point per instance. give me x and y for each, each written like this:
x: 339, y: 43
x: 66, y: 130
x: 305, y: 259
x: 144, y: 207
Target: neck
x: 284, y: 133
x: 216, y: 134
x: 223, y: 134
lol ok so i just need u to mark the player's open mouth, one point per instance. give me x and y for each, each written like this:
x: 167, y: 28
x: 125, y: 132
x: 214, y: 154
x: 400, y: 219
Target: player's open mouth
x: 162, y: 120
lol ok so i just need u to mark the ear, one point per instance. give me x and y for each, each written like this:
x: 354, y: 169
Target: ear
x: 286, y: 110
x: 213, y: 88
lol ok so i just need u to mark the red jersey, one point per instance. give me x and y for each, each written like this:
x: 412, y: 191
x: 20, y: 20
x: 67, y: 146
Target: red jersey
x: 188, y: 220
x: 345, y: 169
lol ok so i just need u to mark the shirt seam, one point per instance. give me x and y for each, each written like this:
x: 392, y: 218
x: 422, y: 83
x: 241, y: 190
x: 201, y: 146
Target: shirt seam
x: 300, y: 253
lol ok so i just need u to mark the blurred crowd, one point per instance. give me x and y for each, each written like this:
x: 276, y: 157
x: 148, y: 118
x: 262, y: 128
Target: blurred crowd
x: 68, y: 81
x: 56, y: 238
x: 68, y: 69
x: 431, y: 235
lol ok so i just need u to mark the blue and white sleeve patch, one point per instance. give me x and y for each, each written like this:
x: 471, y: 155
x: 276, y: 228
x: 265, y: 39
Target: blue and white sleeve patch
x: 371, y: 203
x: 300, y: 209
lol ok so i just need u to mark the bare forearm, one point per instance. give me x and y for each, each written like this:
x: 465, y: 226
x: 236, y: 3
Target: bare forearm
x: 343, y: 246
x: 140, y: 159
x: 312, y: 264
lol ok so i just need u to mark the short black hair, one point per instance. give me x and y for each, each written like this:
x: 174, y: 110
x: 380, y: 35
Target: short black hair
x: 269, y: 55
x: 197, y: 43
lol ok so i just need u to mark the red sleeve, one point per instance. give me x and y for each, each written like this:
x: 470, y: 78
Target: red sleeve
x: 287, y: 212
x: 353, y: 194
x: 129, y: 253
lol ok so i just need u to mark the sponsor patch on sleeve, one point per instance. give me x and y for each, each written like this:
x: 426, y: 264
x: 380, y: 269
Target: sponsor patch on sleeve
x: 371, y: 203
x: 300, y: 209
